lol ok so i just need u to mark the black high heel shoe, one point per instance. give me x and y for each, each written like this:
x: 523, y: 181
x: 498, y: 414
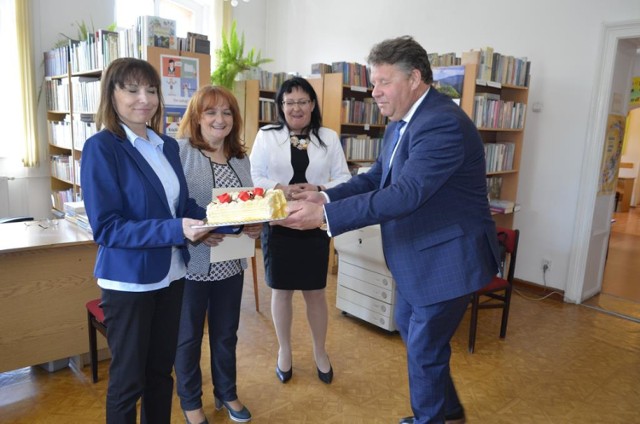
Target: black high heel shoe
x: 241, y: 416
x: 284, y: 376
x: 325, y: 377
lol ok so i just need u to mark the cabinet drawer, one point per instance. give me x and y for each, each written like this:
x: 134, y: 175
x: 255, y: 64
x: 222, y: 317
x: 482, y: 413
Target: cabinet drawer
x: 367, y: 302
x: 363, y: 274
x: 366, y: 288
x: 365, y: 314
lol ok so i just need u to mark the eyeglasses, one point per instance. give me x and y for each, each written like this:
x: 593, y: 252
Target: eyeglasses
x: 291, y: 103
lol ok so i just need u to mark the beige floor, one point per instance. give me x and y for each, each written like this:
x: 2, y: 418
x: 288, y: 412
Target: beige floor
x: 560, y: 363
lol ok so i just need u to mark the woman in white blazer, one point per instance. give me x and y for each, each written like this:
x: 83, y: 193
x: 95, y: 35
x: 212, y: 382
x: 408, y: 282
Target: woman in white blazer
x: 296, y: 155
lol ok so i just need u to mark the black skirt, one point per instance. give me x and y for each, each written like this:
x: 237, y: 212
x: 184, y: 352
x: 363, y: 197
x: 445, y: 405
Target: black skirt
x: 294, y: 259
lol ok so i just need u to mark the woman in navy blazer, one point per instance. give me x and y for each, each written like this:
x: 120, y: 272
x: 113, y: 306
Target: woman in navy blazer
x: 141, y: 215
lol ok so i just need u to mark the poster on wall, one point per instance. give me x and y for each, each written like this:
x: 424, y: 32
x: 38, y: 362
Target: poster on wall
x: 179, y: 79
x: 612, y: 154
x: 634, y: 98
x: 172, y: 117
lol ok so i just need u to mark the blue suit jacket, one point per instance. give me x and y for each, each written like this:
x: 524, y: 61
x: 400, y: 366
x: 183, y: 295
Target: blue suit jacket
x: 438, y: 236
x: 128, y: 210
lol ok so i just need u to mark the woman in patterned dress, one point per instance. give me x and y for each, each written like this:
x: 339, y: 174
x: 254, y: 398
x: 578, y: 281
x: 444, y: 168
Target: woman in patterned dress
x: 213, y: 156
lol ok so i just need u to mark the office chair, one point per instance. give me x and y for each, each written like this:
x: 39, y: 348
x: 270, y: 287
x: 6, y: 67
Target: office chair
x: 498, y: 292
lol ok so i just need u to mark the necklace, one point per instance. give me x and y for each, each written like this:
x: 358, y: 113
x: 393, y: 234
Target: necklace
x: 299, y: 141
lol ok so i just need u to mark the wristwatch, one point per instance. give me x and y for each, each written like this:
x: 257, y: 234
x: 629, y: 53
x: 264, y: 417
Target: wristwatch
x: 324, y: 226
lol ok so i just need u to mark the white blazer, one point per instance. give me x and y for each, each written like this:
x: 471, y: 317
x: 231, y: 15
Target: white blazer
x: 271, y: 159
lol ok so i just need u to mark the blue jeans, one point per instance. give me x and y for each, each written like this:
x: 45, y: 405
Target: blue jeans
x: 220, y: 301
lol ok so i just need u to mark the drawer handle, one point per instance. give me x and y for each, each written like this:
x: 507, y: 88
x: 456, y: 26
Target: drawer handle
x: 384, y: 295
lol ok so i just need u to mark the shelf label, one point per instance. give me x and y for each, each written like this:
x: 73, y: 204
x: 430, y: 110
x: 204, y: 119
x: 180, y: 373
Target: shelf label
x: 367, y: 127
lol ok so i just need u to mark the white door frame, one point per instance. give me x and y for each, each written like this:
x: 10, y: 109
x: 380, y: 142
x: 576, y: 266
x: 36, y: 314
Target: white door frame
x: 589, y: 175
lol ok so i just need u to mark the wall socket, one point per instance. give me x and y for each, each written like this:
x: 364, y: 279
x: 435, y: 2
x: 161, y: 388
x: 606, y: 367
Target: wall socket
x: 546, y: 264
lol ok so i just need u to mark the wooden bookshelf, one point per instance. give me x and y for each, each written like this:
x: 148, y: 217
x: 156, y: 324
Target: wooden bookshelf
x: 496, y: 134
x: 71, y: 107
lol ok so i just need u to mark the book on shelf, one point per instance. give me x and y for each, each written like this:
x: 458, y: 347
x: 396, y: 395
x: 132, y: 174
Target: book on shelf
x: 158, y: 32
x: 320, y: 68
x: 501, y: 206
x: 449, y: 80
x: 197, y: 43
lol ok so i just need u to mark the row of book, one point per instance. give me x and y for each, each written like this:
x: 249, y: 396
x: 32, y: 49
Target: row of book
x: 103, y: 46
x: 361, y: 147
x: 445, y: 59
x: 59, y: 197
x: 267, y: 110
x: 353, y: 74
x: 499, y: 68
x: 59, y: 133
x: 499, y: 156
x: 268, y: 81
x: 364, y: 111
x: 489, y: 111
x: 85, y: 93
x: 61, y: 167
x: 68, y: 135
x: 57, y: 94
x: 494, y: 187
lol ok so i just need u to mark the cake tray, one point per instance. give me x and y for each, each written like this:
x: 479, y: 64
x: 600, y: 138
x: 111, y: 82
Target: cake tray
x: 236, y: 223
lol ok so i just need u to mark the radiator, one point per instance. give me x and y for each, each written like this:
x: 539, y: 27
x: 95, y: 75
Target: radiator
x: 4, y: 196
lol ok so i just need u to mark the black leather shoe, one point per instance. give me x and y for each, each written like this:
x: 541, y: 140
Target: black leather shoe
x: 326, y: 377
x: 284, y: 376
x: 457, y: 418
x: 241, y: 416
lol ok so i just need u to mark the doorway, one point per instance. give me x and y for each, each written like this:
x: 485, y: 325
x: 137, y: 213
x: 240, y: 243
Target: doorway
x: 592, y: 225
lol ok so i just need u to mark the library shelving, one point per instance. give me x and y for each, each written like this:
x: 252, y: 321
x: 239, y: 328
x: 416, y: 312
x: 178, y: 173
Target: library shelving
x: 499, y: 110
x: 72, y: 100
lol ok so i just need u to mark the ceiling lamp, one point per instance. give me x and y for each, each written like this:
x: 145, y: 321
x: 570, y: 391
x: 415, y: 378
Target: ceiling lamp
x: 234, y: 3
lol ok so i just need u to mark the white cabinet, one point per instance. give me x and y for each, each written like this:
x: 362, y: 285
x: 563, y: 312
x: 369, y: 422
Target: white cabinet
x: 365, y: 286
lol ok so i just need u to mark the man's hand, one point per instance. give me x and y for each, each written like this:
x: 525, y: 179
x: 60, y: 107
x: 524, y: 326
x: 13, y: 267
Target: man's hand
x: 252, y: 230
x: 193, y: 234
x: 303, y: 215
x: 311, y: 196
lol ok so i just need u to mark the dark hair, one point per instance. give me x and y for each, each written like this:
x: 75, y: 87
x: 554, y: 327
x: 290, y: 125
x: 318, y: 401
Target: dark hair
x: 121, y: 72
x: 316, y: 118
x: 204, y: 99
x: 403, y: 52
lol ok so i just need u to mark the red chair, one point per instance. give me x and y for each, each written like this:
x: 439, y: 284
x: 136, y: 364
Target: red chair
x: 95, y: 318
x: 497, y: 294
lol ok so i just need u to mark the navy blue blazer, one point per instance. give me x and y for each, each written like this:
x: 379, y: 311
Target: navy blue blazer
x: 438, y: 237
x: 128, y: 209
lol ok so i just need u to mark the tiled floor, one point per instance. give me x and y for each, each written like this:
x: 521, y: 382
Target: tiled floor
x: 560, y: 363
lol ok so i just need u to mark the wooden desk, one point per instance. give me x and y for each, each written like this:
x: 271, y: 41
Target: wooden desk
x: 46, y: 277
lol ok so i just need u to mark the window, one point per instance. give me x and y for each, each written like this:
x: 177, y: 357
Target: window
x: 11, y: 108
x: 190, y: 15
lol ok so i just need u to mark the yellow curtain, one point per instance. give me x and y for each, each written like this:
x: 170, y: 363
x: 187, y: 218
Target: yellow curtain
x: 27, y: 83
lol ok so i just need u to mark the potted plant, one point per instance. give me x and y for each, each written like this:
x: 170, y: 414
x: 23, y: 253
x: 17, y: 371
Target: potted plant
x: 230, y: 59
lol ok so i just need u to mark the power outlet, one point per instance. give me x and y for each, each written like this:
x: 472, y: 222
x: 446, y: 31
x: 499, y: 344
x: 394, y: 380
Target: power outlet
x: 546, y: 264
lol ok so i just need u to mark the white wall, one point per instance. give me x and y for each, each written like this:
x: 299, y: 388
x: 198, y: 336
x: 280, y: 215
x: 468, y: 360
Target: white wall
x: 560, y: 38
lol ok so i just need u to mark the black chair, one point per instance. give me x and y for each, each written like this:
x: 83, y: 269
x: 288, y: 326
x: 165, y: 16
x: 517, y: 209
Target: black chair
x: 11, y: 219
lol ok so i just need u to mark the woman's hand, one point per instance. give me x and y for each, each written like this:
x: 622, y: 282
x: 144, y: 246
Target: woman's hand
x: 191, y: 233
x: 252, y: 230
x: 213, y: 239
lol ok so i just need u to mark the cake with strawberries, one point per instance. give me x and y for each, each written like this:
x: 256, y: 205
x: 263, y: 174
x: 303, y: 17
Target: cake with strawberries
x: 254, y: 205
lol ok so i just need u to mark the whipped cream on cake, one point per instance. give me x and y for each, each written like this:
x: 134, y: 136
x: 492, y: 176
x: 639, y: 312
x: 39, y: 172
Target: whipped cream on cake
x: 252, y: 205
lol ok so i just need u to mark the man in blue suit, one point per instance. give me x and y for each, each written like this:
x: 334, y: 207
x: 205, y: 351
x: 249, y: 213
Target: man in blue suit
x: 427, y: 190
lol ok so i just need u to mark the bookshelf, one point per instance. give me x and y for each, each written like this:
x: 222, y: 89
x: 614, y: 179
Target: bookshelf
x: 72, y: 100
x: 350, y: 111
x: 501, y: 126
